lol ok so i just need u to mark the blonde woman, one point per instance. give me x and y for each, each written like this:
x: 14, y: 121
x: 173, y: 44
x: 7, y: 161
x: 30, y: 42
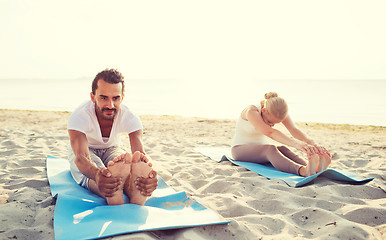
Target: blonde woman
x: 255, y: 124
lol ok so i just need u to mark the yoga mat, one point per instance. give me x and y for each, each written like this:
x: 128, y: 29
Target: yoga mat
x: 80, y: 214
x: 268, y: 171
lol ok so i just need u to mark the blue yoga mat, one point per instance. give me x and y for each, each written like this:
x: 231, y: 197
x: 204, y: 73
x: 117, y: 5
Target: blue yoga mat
x: 80, y: 214
x: 270, y: 172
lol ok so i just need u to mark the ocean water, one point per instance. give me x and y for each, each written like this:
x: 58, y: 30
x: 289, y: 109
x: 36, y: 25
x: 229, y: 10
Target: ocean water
x: 359, y: 102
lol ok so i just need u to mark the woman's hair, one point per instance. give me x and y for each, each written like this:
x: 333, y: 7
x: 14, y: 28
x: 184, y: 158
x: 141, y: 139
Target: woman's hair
x: 276, y: 105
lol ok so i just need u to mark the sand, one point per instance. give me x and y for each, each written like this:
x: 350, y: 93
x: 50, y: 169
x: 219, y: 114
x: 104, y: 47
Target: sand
x: 258, y: 208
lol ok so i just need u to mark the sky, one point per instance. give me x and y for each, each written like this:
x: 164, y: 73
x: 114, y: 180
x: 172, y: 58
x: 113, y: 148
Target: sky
x: 201, y: 40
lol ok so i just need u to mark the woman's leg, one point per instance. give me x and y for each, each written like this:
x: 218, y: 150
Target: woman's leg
x: 310, y: 169
x: 325, y: 160
x: 263, y: 154
x: 270, y: 153
x: 291, y: 155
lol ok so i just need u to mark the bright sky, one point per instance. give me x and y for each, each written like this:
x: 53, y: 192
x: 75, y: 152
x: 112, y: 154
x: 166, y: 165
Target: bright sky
x: 197, y: 40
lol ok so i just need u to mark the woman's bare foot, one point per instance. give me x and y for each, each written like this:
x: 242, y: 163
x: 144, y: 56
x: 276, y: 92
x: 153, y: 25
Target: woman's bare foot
x: 139, y: 168
x: 119, y: 167
x: 310, y: 169
x: 325, y: 160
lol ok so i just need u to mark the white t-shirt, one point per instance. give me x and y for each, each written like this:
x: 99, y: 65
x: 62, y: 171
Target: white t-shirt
x: 84, y: 120
x: 246, y: 133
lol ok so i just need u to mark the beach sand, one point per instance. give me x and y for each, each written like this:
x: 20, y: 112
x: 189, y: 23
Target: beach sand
x: 258, y: 208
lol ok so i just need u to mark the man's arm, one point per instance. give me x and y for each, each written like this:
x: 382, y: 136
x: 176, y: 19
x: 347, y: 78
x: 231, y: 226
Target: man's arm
x: 101, y: 181
x: 145, y: 185
x: 136, y: 141
x: 79, y: 145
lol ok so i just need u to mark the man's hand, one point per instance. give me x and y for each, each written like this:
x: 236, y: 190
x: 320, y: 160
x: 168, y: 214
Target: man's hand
x: 107, y: 184
x: 147, y: 185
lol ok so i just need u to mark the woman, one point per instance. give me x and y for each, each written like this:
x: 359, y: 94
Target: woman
x: 255, y: 124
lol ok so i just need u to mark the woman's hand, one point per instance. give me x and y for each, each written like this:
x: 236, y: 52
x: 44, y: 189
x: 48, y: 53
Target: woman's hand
x: 323, y: 150
x: 310, y: 150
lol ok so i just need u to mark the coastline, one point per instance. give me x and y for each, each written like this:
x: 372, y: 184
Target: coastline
x: 257, y: 207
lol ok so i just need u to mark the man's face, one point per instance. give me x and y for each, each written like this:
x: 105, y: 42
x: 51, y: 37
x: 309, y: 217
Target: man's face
x: 108, y: 97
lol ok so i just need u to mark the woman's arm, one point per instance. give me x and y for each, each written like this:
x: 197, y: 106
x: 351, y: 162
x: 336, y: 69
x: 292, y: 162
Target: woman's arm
x: 252, y: 115
x: 296, y: 132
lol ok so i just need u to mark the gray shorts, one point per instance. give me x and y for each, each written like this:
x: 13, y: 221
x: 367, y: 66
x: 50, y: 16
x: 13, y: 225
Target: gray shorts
x: 99, y: 156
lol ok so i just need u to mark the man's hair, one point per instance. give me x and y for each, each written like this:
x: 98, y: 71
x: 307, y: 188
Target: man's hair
x: 110, y: 76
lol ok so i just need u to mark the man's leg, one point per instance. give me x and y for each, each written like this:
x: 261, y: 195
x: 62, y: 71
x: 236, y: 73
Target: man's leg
x: 119, y: 167
x: 79, y: 177
x: 138, y: 169
x: 118, y: 162
x: 100, y: 157
x: 116, y: 156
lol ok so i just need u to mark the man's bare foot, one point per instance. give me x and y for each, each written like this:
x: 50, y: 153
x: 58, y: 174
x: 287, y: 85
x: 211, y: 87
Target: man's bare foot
x: 119, y: 167
x: 138, y: 169
x: 310, y: 169
x: 324, y: 161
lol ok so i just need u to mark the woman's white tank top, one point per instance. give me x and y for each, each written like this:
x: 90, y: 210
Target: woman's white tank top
x: 246, y: 133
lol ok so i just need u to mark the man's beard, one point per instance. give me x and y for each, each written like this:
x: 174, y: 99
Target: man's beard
x: 101, y: 113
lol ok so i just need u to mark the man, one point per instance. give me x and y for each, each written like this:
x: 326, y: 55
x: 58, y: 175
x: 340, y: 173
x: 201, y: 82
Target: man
x: 94, y: 129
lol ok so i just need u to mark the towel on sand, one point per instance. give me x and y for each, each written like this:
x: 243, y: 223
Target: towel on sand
x: 268, y: 171
x: 80, y: 214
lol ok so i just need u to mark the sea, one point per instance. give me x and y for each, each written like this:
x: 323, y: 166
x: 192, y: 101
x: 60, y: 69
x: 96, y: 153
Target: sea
x: 356, y: 102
